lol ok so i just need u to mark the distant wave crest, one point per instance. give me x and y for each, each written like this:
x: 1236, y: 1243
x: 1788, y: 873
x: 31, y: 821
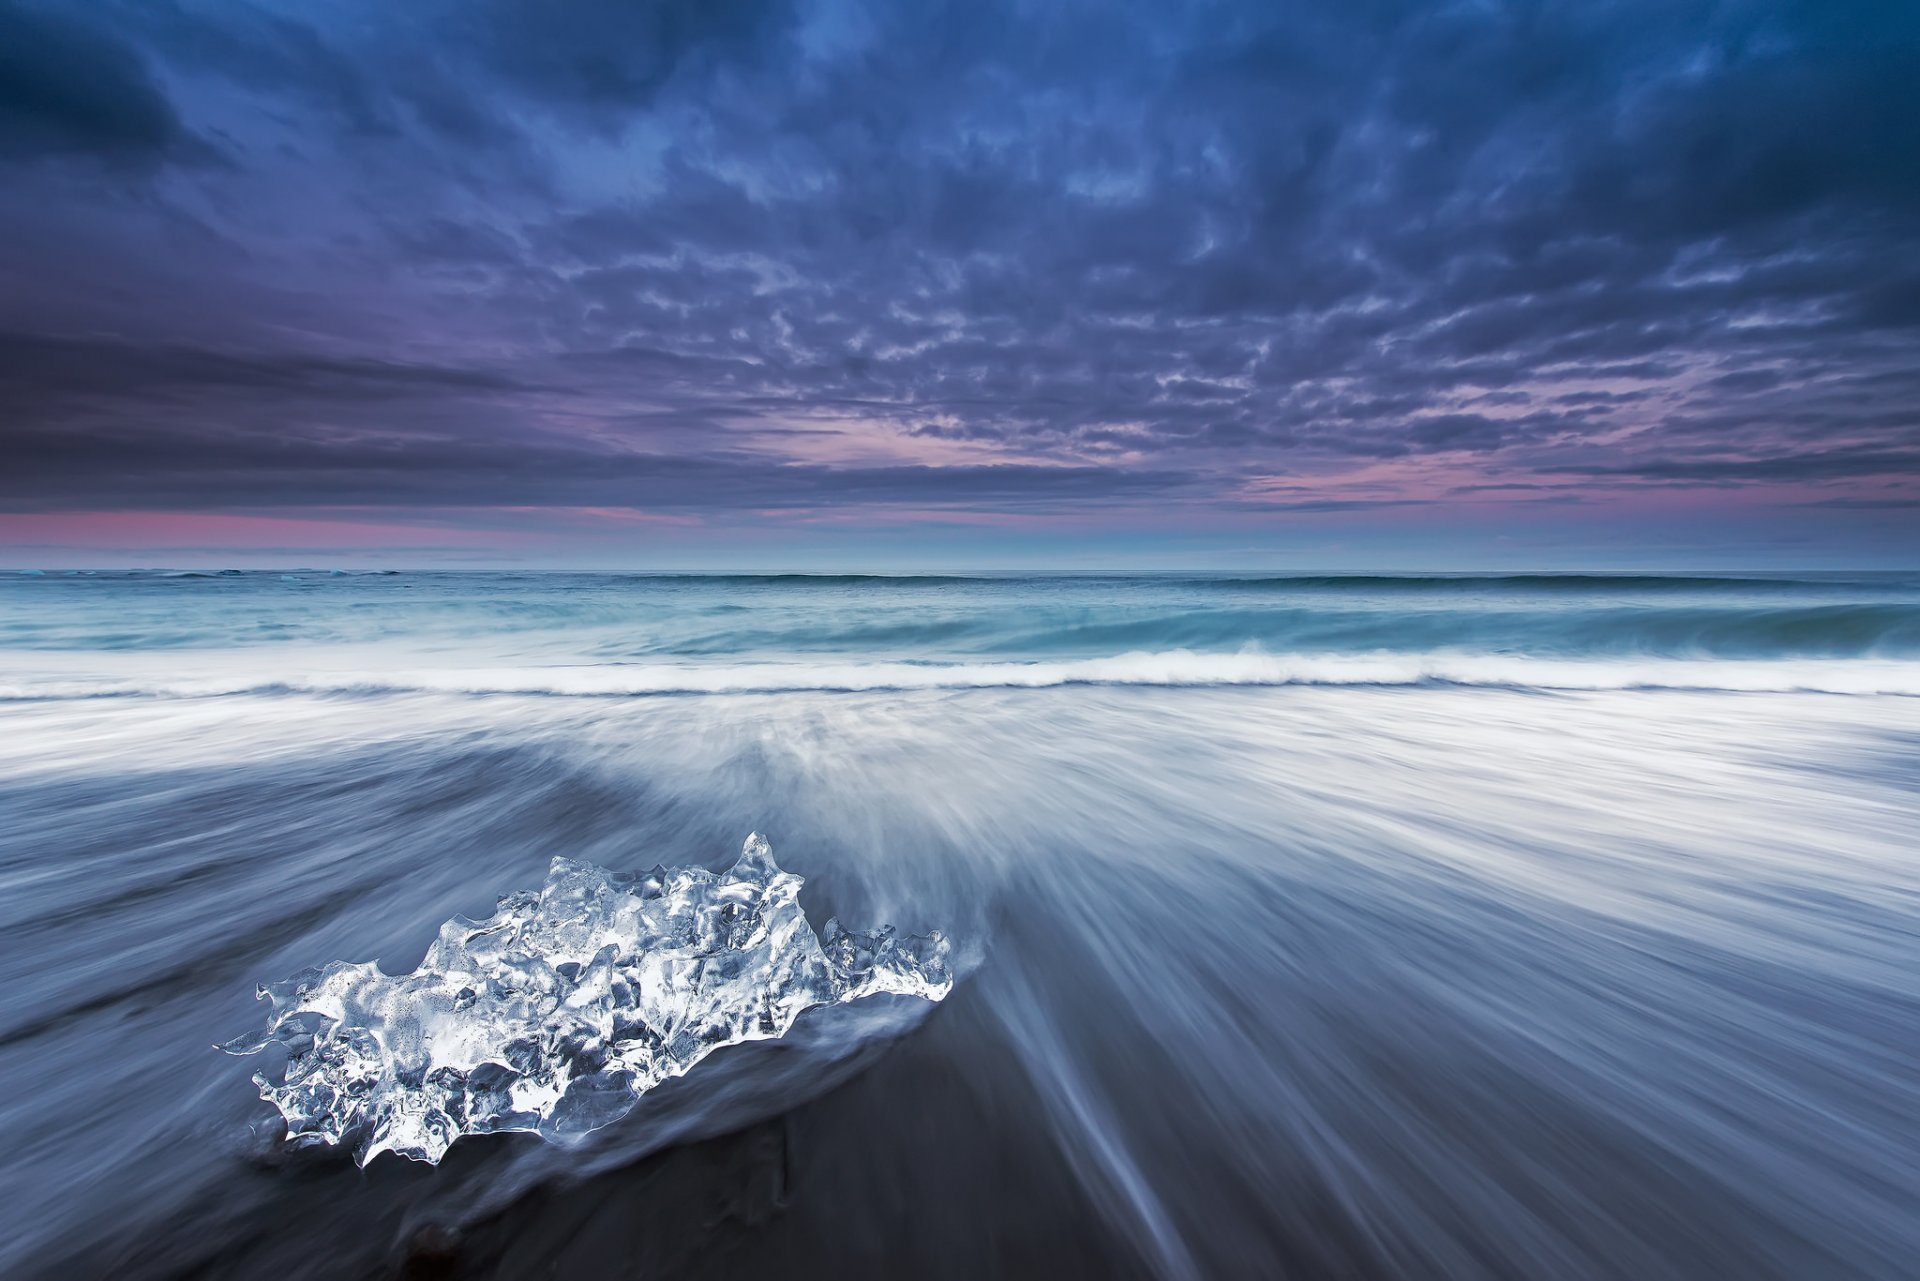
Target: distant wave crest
x: 1142, y: 668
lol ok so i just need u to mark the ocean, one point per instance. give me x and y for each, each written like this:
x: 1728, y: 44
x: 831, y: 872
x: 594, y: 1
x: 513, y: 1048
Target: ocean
x: 1317, y: 926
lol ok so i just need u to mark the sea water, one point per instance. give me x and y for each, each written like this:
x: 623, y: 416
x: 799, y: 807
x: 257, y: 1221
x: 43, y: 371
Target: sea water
x: 1412, y: 926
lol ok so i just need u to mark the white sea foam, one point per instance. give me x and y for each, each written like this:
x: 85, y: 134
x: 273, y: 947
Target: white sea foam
x: 1160, y: 668
x: 1416, y: 946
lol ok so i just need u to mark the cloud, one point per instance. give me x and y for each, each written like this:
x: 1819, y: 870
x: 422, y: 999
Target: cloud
x: 608, y: 57
x: 67, y: 90
x: 1833, y: 465
x: 36, y: 370
x: 984, y: 253
x: 255, y: 471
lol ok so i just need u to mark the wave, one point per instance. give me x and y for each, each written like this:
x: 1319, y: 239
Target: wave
x: 1530, y: 582
x: 1172, y: 668
x: 589, y: 634
x: 1845, y: 630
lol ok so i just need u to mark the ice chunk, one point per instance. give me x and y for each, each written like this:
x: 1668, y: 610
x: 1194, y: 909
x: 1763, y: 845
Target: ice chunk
x: 558, y: 1011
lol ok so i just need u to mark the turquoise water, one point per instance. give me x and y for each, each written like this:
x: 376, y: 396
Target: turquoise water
x: 161, y: 632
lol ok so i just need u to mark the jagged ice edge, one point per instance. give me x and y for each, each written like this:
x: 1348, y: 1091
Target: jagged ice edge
x: 556, y: 1013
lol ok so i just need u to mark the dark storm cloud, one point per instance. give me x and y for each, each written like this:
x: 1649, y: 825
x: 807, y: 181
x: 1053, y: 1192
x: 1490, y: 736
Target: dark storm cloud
x: 611, y: 56
x: 67, y: 89
x: 36, y: 370
x: 176, y: 470
x: 604, y: 253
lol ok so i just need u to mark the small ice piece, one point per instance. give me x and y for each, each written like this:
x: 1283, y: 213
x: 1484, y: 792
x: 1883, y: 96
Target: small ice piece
x: 560, y: 1010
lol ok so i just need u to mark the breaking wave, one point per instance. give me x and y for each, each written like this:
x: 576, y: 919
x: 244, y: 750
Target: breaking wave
x: 1170, y: 668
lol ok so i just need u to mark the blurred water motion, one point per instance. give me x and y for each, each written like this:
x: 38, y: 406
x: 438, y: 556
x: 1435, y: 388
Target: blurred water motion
x: 1253, y: 981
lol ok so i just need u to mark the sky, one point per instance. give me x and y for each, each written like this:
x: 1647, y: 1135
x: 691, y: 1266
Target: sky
x: 791, y: 284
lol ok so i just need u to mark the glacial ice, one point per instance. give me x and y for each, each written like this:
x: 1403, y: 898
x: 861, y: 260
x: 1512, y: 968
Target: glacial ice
x: 557, y: 1012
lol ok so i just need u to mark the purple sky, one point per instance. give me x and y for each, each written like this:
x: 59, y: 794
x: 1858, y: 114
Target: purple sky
x: 748, y: 284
